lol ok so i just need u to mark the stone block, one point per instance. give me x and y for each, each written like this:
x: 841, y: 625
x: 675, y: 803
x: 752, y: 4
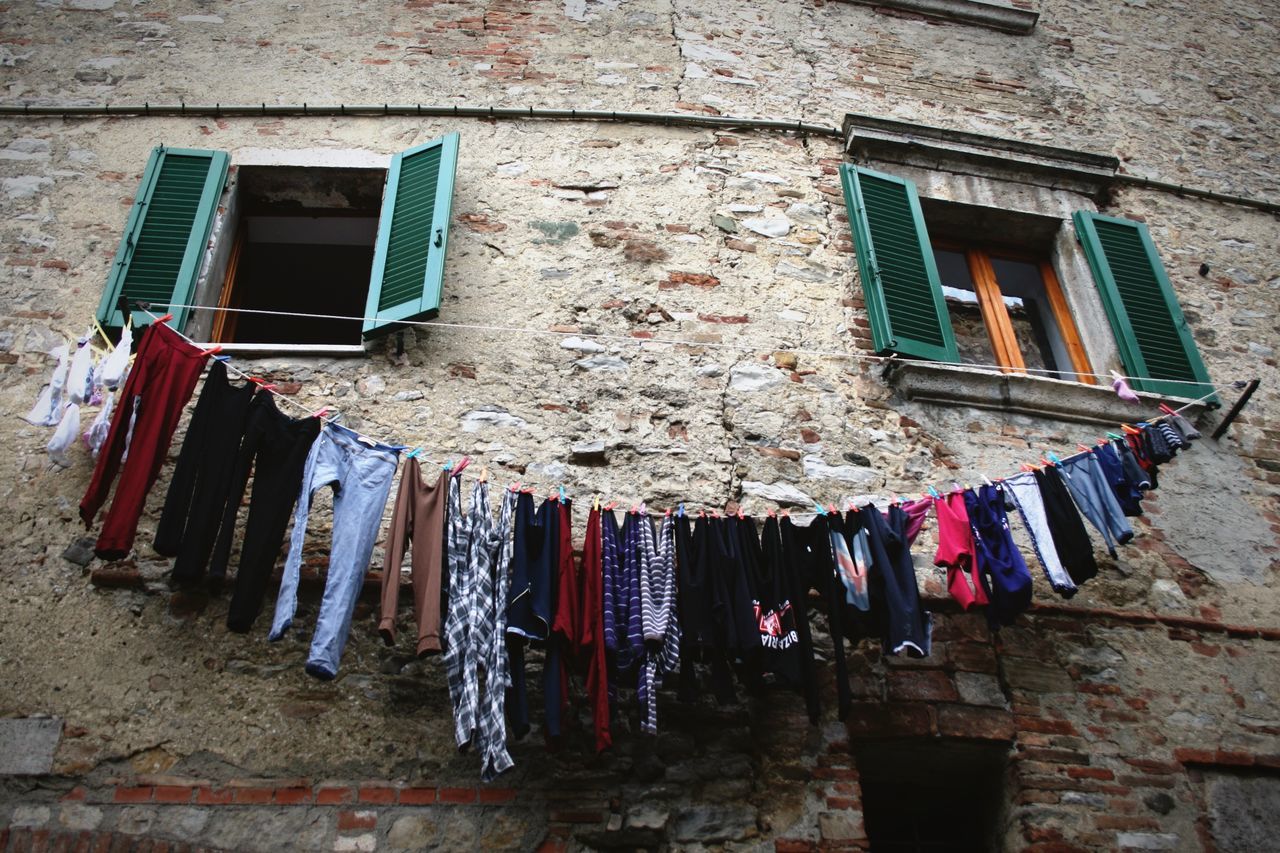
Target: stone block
x: 712, y: 824
x: 27, y: 745
x: 978, y: 689
x: 845, y: 825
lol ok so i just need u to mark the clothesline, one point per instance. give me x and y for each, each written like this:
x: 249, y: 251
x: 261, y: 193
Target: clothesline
x: 602, y: 336
x: 311, y: 413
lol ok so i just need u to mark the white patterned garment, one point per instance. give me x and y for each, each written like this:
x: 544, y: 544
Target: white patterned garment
x: 48, y: 408
x: 457, y: 623
x: 490, y: 633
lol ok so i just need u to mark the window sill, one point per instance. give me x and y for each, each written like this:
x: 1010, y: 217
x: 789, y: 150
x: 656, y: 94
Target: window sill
x: 289, y: 349
x: 1036, y: 396
x: 1003, y: 18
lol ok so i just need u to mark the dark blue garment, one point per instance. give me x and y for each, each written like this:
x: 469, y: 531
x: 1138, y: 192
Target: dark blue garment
x: 906, y: 626
x: 628, y: 613
x: 1125, y: 490
x: 529, y: 599
x: 1004, y: 572
x: 553, y: 666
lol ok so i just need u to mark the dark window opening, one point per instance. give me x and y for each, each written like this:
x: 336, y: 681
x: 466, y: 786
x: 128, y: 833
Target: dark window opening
x: 936, y: 796
x: 304, y: 244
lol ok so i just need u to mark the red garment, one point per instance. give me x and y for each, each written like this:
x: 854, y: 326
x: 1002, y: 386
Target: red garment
x: 917, y: 512
x: 956, y: 551
x: 567, y: 620
x: 591, y: 641
x: 164, y: 374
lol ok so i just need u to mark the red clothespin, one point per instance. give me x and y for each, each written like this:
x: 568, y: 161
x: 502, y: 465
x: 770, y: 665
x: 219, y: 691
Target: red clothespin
x: 1028, y: 467
x: 166, y: 318
x: 457, y: 469
x: 702, y: 513
x: 772, y: 514
x: 1082, y: 448
x: 668, y: 512
x: 213, y: 350
x: 320, y: 412
x: 1167, y: 409
x: 831, y: 508
x: 786, y: 513
x: 262, y: 383
x: 1130, y: 430
x: 515, y: 487
x: 609, y: 507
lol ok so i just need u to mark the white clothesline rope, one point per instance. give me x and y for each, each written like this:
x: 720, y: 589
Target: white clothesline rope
x: 742, y: 347
x: 310, y: 413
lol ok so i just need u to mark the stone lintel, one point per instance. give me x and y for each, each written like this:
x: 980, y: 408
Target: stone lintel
x: 996, y: 17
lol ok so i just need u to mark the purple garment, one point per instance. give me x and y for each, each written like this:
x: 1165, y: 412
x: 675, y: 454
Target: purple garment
x: 1004, y: 572
x: 916, y: 513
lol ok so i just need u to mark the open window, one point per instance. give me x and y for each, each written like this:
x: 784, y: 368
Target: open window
x: 956, y: 283
x: 242, y: 262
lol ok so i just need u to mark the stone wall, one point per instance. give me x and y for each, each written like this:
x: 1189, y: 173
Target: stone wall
x: 1121, y: 710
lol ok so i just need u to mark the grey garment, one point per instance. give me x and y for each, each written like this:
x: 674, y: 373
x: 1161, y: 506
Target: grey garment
x: 1026, y: 494
x: 491, y: 644
x: 1171, y: 435
x: 361, y: 476
x: 1184, y: 428
x: 1093, y: 495
x: 468, y: 557
x: 659, y: 622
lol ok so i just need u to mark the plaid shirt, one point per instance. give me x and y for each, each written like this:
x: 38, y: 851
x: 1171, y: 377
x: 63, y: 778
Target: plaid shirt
x: 490, y: 639
x: 457, y: 625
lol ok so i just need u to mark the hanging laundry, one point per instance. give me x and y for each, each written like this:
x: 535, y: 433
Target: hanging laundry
x: 852, y: 564
x: 660, y: 623
x: 906, y: 627
x: 783, y: 619
x: 808, y: 551
x: 1025, y: 491
x: 1069, y: 537
x: 151, y: 404
x: 417, y: 523
x: 360, y: 472
x: 64, y: 436
x: 1122, y: 389
x: 1157, y: 443
x: 1134, y: 471
x: 917, y: 512
x: 96, y: 435
x: 469, y: 556
x: 1128, y: 495
x: 1141, y: 451
x: 1095, y: 500
x: 956, y: 551
x: 202, y: 478
x: 80, y: 373
x: 1184, y: 428
x: 114, y: 367
x: 491, y: 640
x: 697, y: 628
x: 275, y: 448
x: 562, y: 638
x: 48, y: 408
x: 529, y: 598
x: 1005, y: 575
x: 591, y: 644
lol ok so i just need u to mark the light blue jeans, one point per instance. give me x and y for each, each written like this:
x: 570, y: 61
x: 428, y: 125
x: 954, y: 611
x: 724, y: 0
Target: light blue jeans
x: 361, y: 476
x: 1088, y: 484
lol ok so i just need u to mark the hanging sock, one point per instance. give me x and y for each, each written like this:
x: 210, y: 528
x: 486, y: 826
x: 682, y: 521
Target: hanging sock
x: 96, y: 435
x: 48, y: 408
x: 114, y: 367
x: 80, y: 374
x: 1122, y: 389
x: 64, y: 436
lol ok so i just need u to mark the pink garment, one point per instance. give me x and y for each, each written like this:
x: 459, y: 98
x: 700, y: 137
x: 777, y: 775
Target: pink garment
x: 917, y: 512
x: 956, y: 551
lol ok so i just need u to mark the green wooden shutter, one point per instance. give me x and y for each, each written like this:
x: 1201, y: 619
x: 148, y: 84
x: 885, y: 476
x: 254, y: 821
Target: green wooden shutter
x: 413, y: 236
x: 899, y: 276
x: 164, y: 240
x: 1153, y: 337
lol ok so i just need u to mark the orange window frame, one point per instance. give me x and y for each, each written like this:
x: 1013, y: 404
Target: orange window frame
x: 995, y: 316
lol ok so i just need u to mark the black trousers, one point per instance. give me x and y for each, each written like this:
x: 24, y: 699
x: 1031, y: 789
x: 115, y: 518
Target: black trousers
x: 201, y: 480
x: 274, y: 449
x: 1069, y: 536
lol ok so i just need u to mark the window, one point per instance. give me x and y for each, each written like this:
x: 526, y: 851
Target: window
x: 309, y: 240
x: 968, y: 300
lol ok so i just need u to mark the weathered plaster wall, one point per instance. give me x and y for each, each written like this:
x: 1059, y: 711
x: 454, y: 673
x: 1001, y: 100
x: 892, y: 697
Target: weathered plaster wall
x: 645, y: 232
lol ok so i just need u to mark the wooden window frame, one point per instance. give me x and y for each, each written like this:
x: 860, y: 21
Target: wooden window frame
x: 995, y: 316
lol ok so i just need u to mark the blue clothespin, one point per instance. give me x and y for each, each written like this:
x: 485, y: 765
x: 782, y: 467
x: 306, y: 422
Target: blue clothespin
x: 448, y: 466
x: 820, y: 509
x: 222, y: 358
x: 680, y: 511
x: 413, y: 453
x: 1053, y: 457
x: 562, y: 498
x: 934, y: 492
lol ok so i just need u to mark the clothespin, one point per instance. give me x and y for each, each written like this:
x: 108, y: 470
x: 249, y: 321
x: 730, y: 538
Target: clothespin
x: 702, y: 513
x: 680, y: 511
x: 262, y: 383
x: 448, y: 465
x: 595, y: 502
x: 1083, y: 449
x: 213, y: 350
x: 785, y: 513
x: 849, y: 505
x: 1028, y: 467
x: 562, y: 497
x: 609, y: 507
x: 484, y: 473
x: 166, y: 318
x: 515, y: 487
x: 987, y: 480
x: 1129, y: 430
x: 1053, y: 457
x: 933, y: 493
x: 956, y: 485
x: 771, y: 513
x: 667, y: 514
x: 740, y: 514
x: 1116, y: 437
x: 324, y: 410
x: 831, y: 508
x: 103, y: 333
x: 1167, y: 409
x: 466, y: 460
x: 412, y: 453
x: 820, y: 509
x: 222, y: 358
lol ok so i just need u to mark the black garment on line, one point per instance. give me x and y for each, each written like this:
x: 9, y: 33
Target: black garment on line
x: 530, y: 601
x: 201, y: 480
x: 808, y: 551
x: 1069, y: 536
x: 275, y: 448
x: 785, y: 634
x: 906, y: 625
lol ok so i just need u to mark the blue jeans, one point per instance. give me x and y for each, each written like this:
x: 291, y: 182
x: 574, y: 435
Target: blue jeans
x: 361, y: 476
x: 1096, y: 500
